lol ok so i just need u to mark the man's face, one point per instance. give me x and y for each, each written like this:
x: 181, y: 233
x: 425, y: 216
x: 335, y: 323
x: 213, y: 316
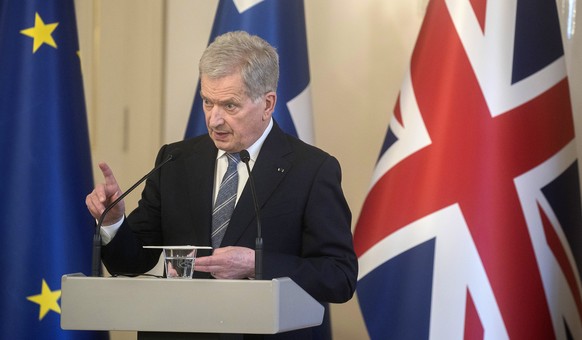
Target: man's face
x: 233, y: 120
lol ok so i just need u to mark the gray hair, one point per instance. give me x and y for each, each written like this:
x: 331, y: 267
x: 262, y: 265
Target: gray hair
x: 253, y: 57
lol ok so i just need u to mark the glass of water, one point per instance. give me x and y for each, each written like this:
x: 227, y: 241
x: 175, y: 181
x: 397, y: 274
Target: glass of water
x: 179, y: 263
x: 179, y: 260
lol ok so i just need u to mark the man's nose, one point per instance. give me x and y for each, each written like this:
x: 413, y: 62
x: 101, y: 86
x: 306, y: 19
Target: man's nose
x: 216, y: 116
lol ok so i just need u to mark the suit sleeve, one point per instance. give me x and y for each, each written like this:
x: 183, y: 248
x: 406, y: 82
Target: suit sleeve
x: 327, y: 265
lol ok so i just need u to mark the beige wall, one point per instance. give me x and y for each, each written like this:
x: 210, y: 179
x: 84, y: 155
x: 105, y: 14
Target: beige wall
x: 139, y: 61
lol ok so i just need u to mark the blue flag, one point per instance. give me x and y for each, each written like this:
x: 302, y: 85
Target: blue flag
x: 282, y: 24
x: 46, y: 167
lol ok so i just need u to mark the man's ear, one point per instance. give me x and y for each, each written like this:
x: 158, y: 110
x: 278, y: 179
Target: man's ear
x: 270, y: 102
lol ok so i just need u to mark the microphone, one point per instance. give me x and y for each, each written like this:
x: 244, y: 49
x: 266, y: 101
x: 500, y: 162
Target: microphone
x: 245, y: 157
x: 96, y: 269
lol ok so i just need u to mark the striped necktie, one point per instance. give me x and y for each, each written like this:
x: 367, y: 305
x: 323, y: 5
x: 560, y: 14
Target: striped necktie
x: 225, y: 201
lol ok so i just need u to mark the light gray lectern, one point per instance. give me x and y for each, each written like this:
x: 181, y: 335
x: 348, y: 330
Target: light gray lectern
x: 200, y: 306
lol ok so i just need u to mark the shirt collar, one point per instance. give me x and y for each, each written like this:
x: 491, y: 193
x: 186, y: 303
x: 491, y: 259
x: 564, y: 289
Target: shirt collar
x: 256, y: 147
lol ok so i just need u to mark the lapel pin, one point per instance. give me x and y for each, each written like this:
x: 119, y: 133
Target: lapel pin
x: 280, y: 170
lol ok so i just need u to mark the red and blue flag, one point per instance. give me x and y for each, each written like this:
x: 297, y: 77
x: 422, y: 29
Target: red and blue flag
x: 472, y: 226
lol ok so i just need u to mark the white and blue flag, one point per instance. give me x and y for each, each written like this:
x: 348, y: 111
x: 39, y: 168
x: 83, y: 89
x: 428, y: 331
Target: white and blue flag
x: 282, y: 24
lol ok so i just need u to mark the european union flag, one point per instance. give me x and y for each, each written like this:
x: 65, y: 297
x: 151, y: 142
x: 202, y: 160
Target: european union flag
x: 282, y: 24
x: 46, y: 167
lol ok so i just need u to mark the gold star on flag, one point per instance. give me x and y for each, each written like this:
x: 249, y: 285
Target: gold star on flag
x: 41, y: 33
x: 47, y: 299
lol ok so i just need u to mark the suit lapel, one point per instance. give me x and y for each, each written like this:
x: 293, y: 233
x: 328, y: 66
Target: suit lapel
x: 268, y: 171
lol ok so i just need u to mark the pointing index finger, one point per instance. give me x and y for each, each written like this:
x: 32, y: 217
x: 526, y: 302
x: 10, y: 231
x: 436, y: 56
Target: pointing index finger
x: 107, y: 174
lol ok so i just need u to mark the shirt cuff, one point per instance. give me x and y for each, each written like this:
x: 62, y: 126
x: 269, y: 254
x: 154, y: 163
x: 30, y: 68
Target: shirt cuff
x: 108, y: 232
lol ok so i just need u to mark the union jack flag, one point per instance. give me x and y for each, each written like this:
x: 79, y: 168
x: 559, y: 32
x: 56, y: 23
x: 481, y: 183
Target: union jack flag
x: 472, y: 227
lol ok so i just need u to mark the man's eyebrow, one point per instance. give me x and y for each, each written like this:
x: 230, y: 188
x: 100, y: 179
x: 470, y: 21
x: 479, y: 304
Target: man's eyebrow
x: 230, y: 100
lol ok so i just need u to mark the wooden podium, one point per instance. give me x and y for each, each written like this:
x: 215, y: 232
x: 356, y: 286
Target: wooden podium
x: 171, y: 307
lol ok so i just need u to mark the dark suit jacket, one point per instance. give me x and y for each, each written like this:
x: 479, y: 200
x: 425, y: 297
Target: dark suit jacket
x: 304, y: 216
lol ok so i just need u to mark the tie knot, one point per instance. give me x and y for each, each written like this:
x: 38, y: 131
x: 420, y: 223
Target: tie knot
x: 233, y: 158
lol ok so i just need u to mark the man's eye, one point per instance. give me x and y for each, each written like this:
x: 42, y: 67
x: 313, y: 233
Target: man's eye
x: 230, y: 107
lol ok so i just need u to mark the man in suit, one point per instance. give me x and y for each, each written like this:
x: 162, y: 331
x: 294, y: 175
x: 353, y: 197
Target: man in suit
x: 304, y: 216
